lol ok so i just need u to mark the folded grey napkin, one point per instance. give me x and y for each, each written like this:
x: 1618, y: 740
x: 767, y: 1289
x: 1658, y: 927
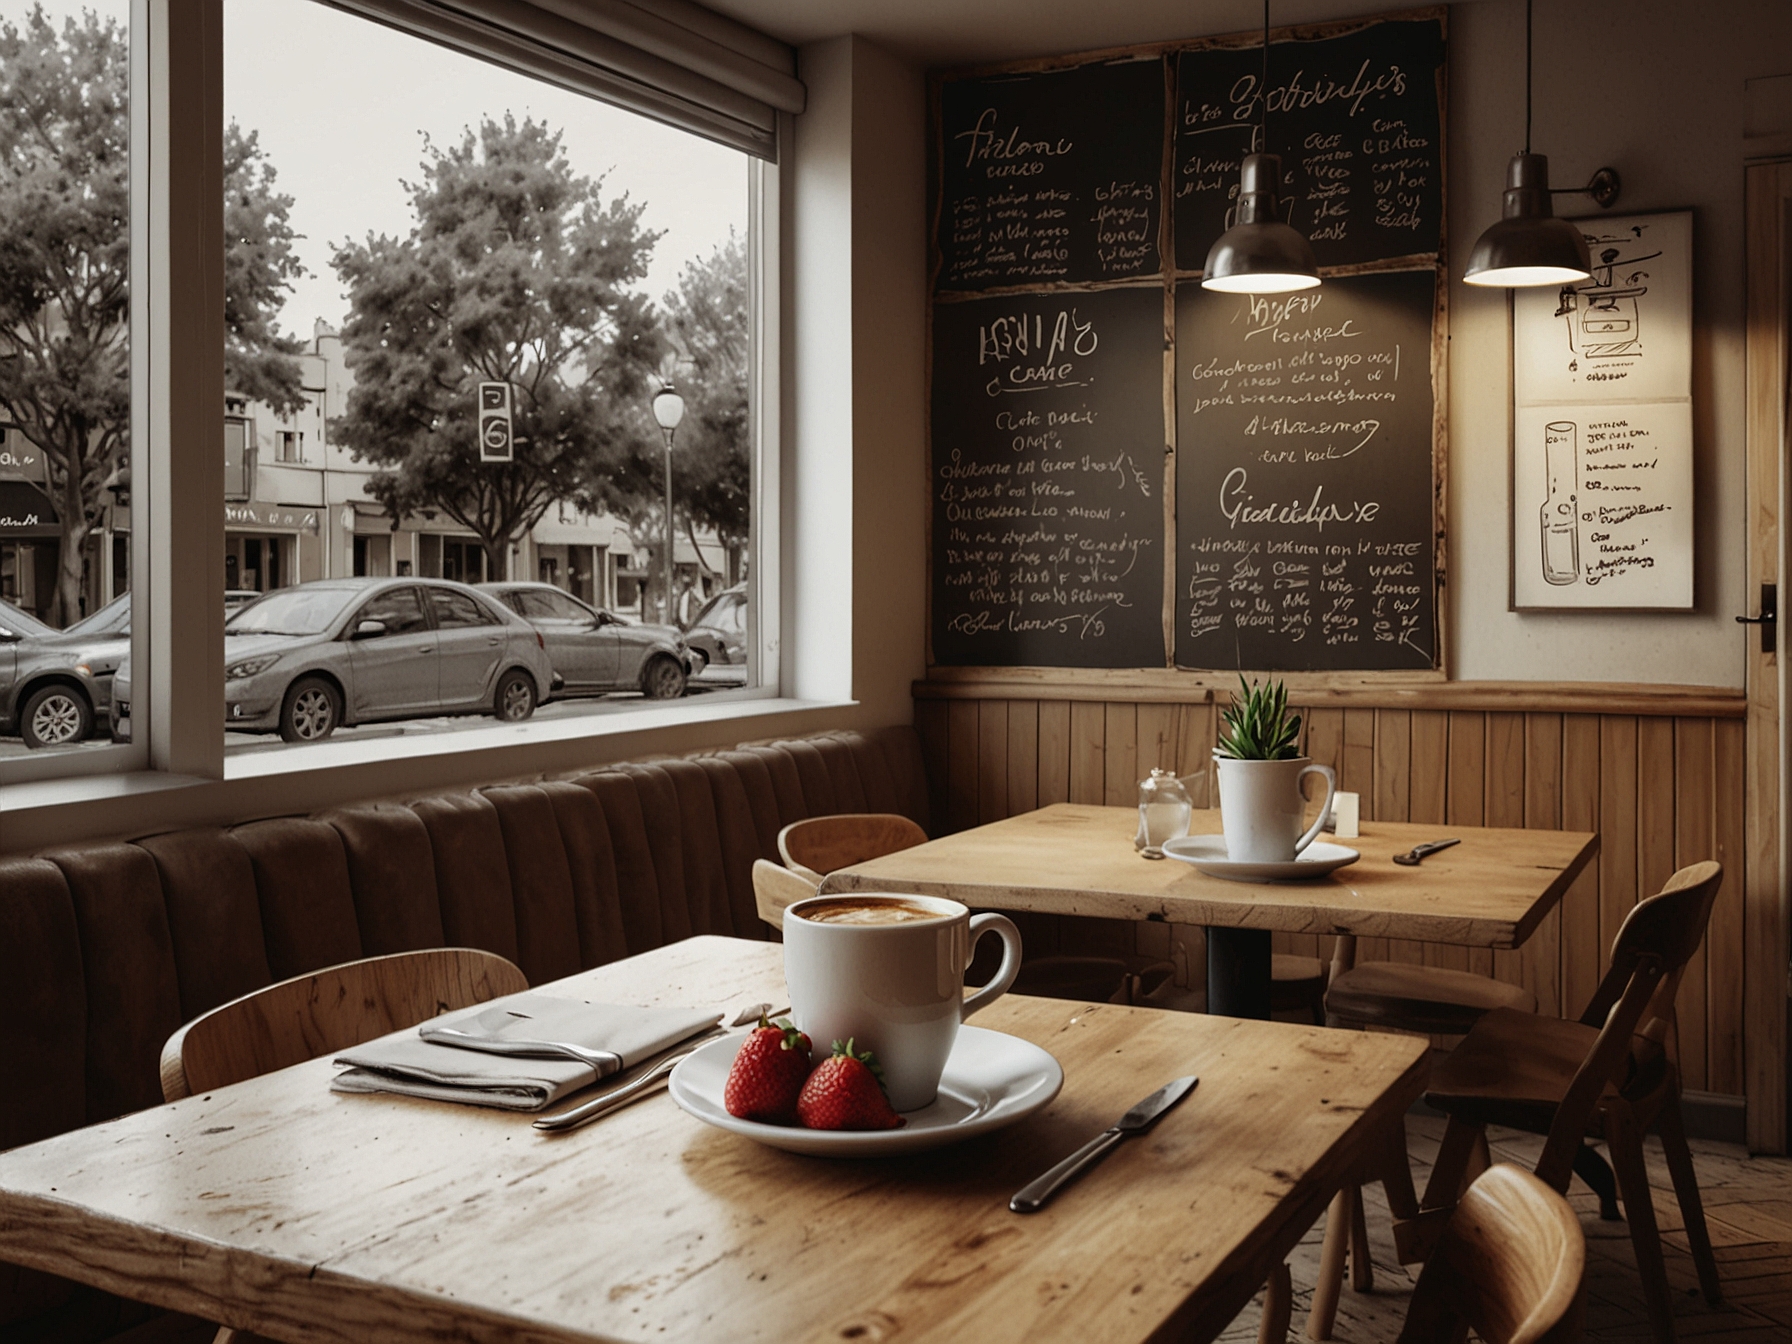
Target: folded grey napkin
x: 488, y: 1055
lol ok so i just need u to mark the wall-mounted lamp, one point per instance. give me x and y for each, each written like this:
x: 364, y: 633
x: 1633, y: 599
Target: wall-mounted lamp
x: 1529, y: 245
x: 1260, y: 254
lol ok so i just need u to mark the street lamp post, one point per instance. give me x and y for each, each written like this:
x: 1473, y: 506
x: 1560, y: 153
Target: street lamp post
x: 668, y: 411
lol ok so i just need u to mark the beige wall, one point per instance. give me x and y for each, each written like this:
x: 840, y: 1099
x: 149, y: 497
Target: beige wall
x: 1655, y: 91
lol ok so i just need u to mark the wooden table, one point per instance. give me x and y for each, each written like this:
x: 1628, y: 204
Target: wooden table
x: 306, y: 1215
x: 1492, y: 890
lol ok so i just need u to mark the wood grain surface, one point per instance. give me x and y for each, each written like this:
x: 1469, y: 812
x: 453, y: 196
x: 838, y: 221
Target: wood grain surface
x: 308, y: 1215
x: 1492, y: 890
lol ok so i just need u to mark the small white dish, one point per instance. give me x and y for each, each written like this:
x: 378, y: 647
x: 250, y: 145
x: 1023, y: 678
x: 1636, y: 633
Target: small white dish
x: 991, y: 1080
x: 1208, y: 854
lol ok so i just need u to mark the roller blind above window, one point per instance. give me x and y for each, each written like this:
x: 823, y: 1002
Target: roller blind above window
x: 674, y: 60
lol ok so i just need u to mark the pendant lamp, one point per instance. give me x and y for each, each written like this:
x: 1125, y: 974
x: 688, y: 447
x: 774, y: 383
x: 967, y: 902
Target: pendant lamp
x: 1260, y: 254
x: 1529, y: 245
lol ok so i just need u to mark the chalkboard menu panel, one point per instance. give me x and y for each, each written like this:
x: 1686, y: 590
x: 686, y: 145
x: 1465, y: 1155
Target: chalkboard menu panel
x: 1304, y: 477
x: 1055, y: 176
x: 1048, y: 450
x: 1356, y: 120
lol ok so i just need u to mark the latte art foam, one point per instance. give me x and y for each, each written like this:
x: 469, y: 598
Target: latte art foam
x: 852, y: 910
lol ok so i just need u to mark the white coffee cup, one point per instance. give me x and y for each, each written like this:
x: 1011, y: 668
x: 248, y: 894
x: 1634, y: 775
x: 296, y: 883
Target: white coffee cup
x: 894, y: 988
x: 1261, y: 807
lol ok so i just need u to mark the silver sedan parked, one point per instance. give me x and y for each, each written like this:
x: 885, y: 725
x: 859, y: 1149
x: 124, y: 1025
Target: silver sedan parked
x: 599, y: 651
x: 55, y: 684
x: 305, y: 661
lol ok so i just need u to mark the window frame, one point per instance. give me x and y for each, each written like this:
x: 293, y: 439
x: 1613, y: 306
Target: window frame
x: 177, y: 537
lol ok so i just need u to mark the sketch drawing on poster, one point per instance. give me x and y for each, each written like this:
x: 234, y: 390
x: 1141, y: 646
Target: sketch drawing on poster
x: 1602, y: 490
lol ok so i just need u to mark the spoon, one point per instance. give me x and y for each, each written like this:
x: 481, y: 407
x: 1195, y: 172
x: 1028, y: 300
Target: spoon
x: 1412, y: 857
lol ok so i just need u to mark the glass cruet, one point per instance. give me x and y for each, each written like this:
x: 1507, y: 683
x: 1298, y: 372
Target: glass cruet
x: 1164, y: 807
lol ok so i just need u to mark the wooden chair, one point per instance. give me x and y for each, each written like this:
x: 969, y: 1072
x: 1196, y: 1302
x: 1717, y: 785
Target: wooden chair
x: 1511, y: 1263
x: 313, y: 1015
x: 819, y: 845
x: 775, y: 887
x: 1610, y: 1075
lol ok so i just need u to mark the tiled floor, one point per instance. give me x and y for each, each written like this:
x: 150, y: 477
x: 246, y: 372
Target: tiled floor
x: 1748, y: 1207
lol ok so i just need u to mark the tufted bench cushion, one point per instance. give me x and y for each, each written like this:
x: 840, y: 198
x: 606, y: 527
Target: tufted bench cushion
x: 105, y: 949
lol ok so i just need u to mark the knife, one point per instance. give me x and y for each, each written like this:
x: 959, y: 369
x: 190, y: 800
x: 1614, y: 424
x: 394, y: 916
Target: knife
x: 1136, y: 1121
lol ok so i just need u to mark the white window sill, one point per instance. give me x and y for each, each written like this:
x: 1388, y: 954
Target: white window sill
x: 298, y: 780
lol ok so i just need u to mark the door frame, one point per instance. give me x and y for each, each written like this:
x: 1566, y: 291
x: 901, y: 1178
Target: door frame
x: 1768, y: 252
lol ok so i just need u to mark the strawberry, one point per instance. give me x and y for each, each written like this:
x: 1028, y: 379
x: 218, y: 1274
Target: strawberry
x: 846, y: 1091
x: 768, y: 1073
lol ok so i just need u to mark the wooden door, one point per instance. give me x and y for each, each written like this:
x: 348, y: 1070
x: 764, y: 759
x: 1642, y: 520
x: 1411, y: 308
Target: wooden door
x: 1769, y: 262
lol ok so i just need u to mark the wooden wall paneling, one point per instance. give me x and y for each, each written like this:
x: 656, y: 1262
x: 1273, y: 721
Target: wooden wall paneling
x: 1022, y: 765
x: 931, y: 724
x: 1654, y: 805
x: 1429, y: 765
x: 1580, y: 905
x: 1157, y: 739
x: 1054, y: 752
x: 1724, y: 964
x: 1617, y: 828
x: 1464, y: 800
x: 992, y: 761
x: 1324, y: 731
x: 1088, y: 753
x: 1356, y: 772
x: 1540, y: 959
x: 961, y: 768
x: 1121, y: 783
x: 1693, y: 842
x: 1197, y: 729
x: 1504, y: 806
x: 1393, y: 797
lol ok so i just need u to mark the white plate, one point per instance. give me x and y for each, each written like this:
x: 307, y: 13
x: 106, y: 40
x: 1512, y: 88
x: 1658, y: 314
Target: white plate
x: 991, y: 1080
x: 1208, y: 853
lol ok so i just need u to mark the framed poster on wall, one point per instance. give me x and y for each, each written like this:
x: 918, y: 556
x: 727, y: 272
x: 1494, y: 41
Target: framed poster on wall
x: 1601, y: 470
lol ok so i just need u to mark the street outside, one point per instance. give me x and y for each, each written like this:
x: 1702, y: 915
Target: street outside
x: 241, y: 744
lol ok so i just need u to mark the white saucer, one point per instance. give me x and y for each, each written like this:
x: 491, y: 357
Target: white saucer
x: 991, y: 1080
x: 1208, y: 853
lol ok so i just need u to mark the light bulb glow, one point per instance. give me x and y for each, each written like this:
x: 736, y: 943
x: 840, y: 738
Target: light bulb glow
x: 1267, y: 282
x: 1526, y: 277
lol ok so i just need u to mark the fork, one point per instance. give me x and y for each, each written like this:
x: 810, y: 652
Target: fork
x: 650, y: 1081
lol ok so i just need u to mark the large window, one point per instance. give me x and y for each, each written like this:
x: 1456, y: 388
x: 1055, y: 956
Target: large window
x: 469, y: 285
x: 493, y: 317
x: 65, y: 379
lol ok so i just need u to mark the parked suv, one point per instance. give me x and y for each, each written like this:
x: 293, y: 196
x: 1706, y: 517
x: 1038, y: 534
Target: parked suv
x: 305, y: 661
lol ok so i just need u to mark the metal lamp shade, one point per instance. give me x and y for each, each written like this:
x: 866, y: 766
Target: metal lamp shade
x: 1528, y: 246
x: 1259, y: 254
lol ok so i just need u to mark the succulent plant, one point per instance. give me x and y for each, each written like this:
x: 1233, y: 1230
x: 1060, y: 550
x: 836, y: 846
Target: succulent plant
x: 1257, y: 726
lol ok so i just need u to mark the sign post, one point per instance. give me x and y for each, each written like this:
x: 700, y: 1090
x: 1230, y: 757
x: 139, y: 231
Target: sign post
x: 494, y: 422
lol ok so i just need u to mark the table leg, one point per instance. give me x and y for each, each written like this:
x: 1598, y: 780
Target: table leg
x: 1238, y: 972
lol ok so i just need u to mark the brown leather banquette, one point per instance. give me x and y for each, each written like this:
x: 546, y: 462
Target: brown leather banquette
x: 106, y: 948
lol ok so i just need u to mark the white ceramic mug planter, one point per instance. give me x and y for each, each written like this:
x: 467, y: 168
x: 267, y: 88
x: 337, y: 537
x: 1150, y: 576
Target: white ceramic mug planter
x: 1261, y: 807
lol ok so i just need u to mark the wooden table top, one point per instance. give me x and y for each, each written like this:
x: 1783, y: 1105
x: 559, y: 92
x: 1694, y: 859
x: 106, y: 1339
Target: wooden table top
x: 1492, y: 890
x: 305, y: 1214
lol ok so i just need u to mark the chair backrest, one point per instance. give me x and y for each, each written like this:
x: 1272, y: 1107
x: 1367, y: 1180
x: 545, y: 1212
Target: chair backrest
x: 328, y: 1010
x: 1634, y: 1001
x: 774, y: 888
x: 819, y: 845
x: 1511, y: 1264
